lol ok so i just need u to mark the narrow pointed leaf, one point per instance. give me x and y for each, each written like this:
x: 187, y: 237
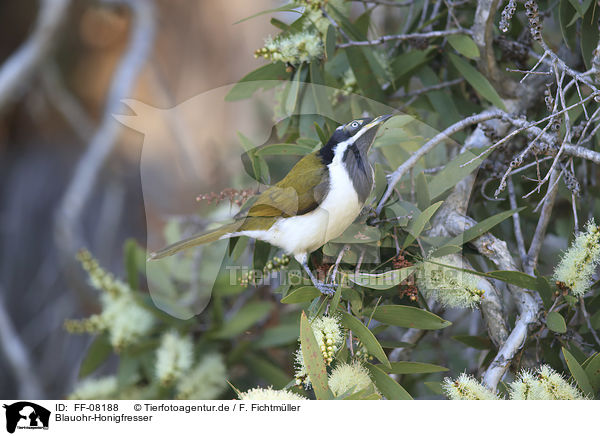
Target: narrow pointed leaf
x: 313, y: 360
x: 301, y: 295
x: 413, y: 368
x: 419, y: 223
x: 578, y: 373
x: 409, y: 317
x: 367, y: 338
x: 387, y: 385
x: 477, y: 81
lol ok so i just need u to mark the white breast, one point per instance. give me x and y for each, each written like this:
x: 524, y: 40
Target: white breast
x: 300, y: 235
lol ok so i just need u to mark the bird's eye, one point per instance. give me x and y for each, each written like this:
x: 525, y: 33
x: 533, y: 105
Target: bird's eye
x: 354, y: 124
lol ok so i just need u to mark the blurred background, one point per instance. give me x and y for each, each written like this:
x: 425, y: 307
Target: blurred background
x: 69, y: 173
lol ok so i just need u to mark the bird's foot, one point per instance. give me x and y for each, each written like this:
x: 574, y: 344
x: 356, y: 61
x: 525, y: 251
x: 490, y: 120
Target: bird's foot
x: 325, y: 288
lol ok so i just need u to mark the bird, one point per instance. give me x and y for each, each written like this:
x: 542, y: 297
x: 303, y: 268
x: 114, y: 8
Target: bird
x: 315, y: 202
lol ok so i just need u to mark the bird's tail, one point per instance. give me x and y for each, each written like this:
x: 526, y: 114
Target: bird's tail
x: 203, y: 238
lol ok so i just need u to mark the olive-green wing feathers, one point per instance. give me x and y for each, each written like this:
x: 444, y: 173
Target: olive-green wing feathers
x: 301, y: 191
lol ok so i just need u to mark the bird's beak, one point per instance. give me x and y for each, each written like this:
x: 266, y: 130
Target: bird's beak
x: 379, y: 120
x: 370, y: 130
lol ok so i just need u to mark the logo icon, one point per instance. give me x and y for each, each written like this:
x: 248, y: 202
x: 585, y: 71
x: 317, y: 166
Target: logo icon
x: 26, y: 415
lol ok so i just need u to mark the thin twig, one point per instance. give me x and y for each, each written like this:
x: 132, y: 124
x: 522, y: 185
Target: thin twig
x: 22, y: 65
x: 387, y: 3
x: 17, y: 356
x: 588, y: 321
x: 517, y: 222
x: 395, y: 177
x: 67, y: 231
x: 404, y: 37
x: 425, y: 90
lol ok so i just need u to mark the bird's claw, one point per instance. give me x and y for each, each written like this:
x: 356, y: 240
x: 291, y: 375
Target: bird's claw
x: 325, y: 288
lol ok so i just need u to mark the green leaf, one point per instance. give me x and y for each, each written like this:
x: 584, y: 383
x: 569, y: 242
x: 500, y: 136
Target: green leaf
x: 366, y: 337
x: 454, y: 172
x: 446, y: 250
x: 556, y: 322
x: 132, y: 254
x: 358, y: 234
x: 265, y: 77
x: 409, y: 317
x: 592, y: 370
x: 277, y: 336
x: 589, y: 32
x: 423, y: 196
x: 313, y: 360
x: 280, y: 24
x: 97, y: 353
x: 291, y: 7
x: 247, y: 316
x: 335, y: 301
x: 365, y: 78
x: 441, y: 100
x: 516, y: 278
x: 387, y: 385
x: 477, y: 81
x: 580, y: 8
x: 477, y: 342
x: 283, y: 150
x: 545, y: 290
x: 382, y: 281
x: 301, y: 295
x: 578, y: 373
x: 464, y: 45
x: 418, y: 224
x: 330, y: 40
x: 482, y: 227
x: 406, y: 62
x: 403, y: 367
x: 567, y: 16
x: 321, y: 133
x: 294, y: 91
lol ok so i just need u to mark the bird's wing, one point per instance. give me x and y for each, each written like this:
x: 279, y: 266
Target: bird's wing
x: 299, y: 192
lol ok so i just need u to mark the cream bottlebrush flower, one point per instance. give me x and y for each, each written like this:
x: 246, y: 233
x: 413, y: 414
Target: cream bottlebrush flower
x: 206, y: 381
x: 465, y: 387
x: 578, y: 263
x: 293, y: 49
x: 449, y: 286
x: 349, y: 378
x: 543, y: 384
x: 127, y: 322
x: 104, y: 388
x: 122, y: 316
x: 269, y: 394
x: 174, y: 357
x: 330, y: 337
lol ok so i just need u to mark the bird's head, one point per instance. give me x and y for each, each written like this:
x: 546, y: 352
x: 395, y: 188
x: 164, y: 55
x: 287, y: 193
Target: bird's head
x: 357, y: 135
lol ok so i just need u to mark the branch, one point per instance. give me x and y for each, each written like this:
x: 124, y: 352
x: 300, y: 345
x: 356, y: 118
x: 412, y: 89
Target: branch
x: 582, y: 152
x: 67, y: 228
x: 497, y: 251
x: 425, y: 90
x: 395, y: 177
x: 387, y: 3
x: 21, y: 66
x: 17, y: 357
x: 483, y: 35
x: 404, y: 37
x: 542, y: 225
x: 68, y: 106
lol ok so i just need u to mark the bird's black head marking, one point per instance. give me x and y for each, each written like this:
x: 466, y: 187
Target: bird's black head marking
x: 341, y: 134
